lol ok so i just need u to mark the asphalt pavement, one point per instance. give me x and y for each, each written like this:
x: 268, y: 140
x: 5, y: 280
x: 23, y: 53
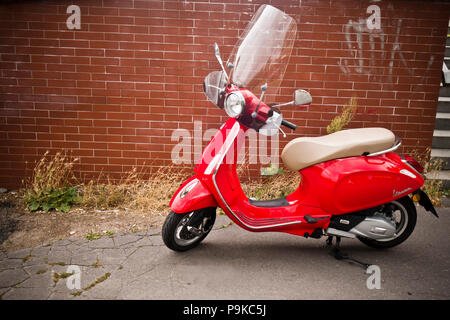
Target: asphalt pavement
x: 232, y: 263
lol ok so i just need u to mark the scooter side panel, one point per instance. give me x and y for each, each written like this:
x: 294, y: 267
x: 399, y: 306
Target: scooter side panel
x: 357, y: 183
x: 221, y: 179
x: 192, y: 195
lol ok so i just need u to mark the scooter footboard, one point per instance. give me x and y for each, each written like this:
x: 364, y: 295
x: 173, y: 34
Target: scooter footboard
x: 192, y: 195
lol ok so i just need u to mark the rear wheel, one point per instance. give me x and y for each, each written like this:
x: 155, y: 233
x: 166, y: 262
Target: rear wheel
x: 403, y: 214
x: 184, y: 231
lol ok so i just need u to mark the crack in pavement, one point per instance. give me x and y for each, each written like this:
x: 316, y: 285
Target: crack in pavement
x: 139, y: 266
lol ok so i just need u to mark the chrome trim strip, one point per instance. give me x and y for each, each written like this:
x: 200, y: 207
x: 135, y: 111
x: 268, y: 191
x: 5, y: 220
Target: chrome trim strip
x: 234, y: 132
x: 395, y: 147
x: 261, y: 222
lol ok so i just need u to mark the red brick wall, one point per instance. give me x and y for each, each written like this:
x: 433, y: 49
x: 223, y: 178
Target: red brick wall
x: 113, y: 92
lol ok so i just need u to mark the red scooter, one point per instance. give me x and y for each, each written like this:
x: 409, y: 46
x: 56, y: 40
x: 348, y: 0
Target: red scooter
x: 352, y: 183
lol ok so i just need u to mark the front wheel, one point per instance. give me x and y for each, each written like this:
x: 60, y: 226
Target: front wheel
x: 403, y: 215
x: 184, y: 231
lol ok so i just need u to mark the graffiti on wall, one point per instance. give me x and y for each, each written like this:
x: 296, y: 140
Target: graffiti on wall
x: 367, y: 33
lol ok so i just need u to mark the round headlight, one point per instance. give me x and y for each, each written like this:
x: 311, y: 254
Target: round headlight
x: 234, y: 104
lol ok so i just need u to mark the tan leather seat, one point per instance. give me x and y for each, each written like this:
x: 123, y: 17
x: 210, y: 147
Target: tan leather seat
x: 306, y: 151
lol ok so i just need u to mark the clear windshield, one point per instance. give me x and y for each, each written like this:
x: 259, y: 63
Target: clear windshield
x: 212, y: 85
x: 261, y: 54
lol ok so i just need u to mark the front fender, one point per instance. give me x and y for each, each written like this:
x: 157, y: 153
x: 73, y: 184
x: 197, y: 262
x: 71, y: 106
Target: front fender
x: 192, y: 195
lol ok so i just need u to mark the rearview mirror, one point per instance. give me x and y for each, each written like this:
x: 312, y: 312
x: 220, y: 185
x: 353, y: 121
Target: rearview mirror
x: 302, y: 97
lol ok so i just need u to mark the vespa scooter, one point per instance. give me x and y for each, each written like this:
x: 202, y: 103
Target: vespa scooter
x: 352, y: 183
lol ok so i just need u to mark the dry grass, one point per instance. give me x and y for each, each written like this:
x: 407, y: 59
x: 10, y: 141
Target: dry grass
x: 134, y: 191
x: 104, y: 193
x: 153, y: 194
x: 432, y: 187
x: 48, y: 188
x: 142, y: 191
x: 269, y: 187
x: 342, y: 120
x: 50, y: 173
x: 272, y: 187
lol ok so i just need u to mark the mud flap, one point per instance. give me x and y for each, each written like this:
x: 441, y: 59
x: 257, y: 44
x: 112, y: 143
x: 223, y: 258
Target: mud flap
x: 425, y: 202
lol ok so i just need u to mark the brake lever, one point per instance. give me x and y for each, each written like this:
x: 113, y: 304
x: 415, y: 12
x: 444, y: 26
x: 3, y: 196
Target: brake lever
x: 279, y: 128
x: 283, y: 104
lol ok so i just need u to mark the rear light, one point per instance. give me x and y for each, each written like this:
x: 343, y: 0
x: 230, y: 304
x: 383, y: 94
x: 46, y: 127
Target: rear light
x: 412, y: 162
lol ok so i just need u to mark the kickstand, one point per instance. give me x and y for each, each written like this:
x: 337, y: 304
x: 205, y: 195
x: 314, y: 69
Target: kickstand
x: 339, y: 255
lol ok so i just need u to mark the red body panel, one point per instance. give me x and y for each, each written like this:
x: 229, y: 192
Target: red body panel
x: 351, y: 184
x: 197, y: 198
x: 331, y: 188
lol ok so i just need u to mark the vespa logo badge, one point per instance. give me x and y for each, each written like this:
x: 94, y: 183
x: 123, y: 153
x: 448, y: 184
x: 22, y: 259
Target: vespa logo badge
x: 397, y: 193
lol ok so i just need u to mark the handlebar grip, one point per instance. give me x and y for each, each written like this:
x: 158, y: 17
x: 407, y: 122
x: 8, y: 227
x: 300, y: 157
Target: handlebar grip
x: 288, y: 124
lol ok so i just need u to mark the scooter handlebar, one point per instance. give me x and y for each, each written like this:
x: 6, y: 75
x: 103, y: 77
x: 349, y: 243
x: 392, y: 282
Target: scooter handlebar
x: 288, y: 124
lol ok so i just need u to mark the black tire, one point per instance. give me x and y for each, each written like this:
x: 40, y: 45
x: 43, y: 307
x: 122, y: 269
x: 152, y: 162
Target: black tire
x: 410, y: 211
x: 175, y: 234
